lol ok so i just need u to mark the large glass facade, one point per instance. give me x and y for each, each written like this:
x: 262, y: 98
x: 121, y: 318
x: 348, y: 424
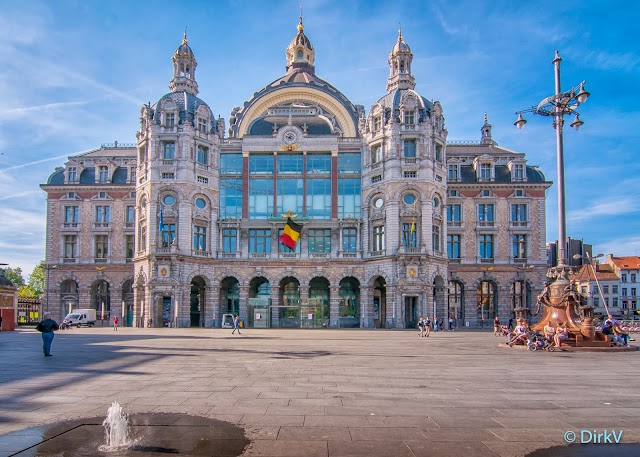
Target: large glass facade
x: 350, y: 240
x: 319, y: 198
x: 230, y: 164
x: 349, y: 162
x: 261, y: 198
x: 231, y: 198
x: 318, y: 164
x: 289, y: 195
x: 289, y: 164
x: 229, y: 240
x: 349, y: 197
x: 261, y: 164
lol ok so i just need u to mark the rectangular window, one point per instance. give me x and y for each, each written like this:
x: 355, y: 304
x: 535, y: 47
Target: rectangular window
x: 633, y: 291
x: 485, y: 214
x: 438, y: 156
x: 519, y: 215
x: 409, y: 117
x: 261, y: 164
x: 633, y: 277
x: 169, y: 119
x: 410, y: 149
x: 453, y: 172
x: 377, y: 124
x: 103, y: 214
x: 199, y: 238
x: 349, y: 240
x: 167, y: 175
x: 453, y: 246
x: 320, y: 241
x: 410, y: 235
x: 519, y: 246
x: 169, y: 151
x: 70, y: 243
x: 614, y: 289
x: 624, y: 292
x: 485, y: 171
x: 203, y: 155
x: 376, y: 154
x: 132, y: 174
x: 230, y: 164
x: 349, y: 162
x: 131, y: 215
x: 102, y: 246
x: 318, y: 163
x: 596, y: 301
x: 287, y: 249
x: 103, y: 173
x: 378, y: 238
x: 349, y: 197
x: 289, y: 164
x: 410, y: 174
x: 142, y: 242
x: 486, y: 246
x: 129, y: 246
x: 230, y: 198
x: 71, y: 215
x: 318, y: 198
x: 605, y: 289
x: 615, y: 301
x: 454, y: 215
x: 167, y: 235
x: 435, y: 238
x: 376, y: 178
x: 259, y: 241
x: 518, y: 172
x: 623, y: 277
x: 202, y: 180
x: 202, y: 125
x: 260, y: 198
x: 289, y: 196
x: 72, y: 174
x: 229, y: 240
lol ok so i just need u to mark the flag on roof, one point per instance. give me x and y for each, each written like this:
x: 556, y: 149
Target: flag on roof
x: 291, y: 234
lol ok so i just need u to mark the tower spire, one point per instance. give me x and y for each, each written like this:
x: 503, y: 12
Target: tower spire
x: 184, y: 69
x: 300, y: 26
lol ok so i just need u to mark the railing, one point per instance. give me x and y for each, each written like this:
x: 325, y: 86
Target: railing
x: 229, y: 255
x: 318, y: 254
x: 411, y: 250
x: 377, y: 253
x: 454, y: 223
x: 288, y: 255
x: 99, y: 225
x: 519, y: 260
x: 168, y: 162
x: 410, y: 160
x: 486, y: 260
x: 128, y: 224
x: 348, y: 255
x: 200, y: 253
x: 485, y: 223
x: 519, y: 223
x: 100, y: 260
x: 454, y: 260
x: 202, y: 166
x: 162, y: 250
x: 115, y: 144
x: 259, y: 255
x: 69, y: 225
x: 69, y: 260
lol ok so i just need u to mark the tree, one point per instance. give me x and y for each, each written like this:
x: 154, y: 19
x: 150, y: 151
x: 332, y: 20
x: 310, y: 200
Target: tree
x: 36, y: 279
x: 15, y: 276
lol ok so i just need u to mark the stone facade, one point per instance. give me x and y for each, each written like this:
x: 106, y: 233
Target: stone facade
x: 371, y: 192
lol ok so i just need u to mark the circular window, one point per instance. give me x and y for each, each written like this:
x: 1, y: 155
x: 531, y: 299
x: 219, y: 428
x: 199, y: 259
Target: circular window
x: 200, y: 203
x: 169, y: 200
x: 409, y: 199
x: 436, y: 202
x: 143, y: 203
x: 378, y: 203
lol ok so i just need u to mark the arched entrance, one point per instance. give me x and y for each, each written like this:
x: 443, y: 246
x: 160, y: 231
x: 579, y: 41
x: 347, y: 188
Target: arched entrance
x: 196, y: 302
x: 100, y: 299
x: 230, y: 296
x: 520, y: 297
x: 456, y: 303
x: 349, y: 303
x: 439, y: 300
x: 487, y: 302
x: 287, y: 314
x: 68, y: 296
x: 259, y: 303
x: 127, y: 300
x: 379, y: 302
x: 316, y: 312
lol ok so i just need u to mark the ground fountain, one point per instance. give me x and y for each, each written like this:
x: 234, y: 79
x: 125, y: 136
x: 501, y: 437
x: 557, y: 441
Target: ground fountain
x: 116, y: 428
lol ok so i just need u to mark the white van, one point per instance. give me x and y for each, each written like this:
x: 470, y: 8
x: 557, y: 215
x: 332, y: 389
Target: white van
x: 80, y: 317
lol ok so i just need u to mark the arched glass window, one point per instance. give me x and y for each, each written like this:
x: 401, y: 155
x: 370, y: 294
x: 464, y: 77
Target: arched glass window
x: 100, y: 299
x: 520, y: 296
x: 456, y: 300
x: 349, y: 303
x: 487, y: 301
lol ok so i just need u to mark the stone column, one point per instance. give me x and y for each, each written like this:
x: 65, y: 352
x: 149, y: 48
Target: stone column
x: 212, y: 319
x: 244, y: 298
x: 334, y: 307
x: 274, y: 290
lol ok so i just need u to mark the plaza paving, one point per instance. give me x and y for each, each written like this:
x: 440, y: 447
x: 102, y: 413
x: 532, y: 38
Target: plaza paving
x: 334, y: 393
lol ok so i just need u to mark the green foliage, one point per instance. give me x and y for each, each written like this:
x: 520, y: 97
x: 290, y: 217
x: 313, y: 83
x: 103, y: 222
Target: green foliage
x: 27, y: 292
x: 36, y: 279
x: 15, y: 276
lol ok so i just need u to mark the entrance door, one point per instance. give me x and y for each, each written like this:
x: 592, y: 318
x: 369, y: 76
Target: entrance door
x: 166, y: 311
x: 129, y: 315
x: 410, y: 312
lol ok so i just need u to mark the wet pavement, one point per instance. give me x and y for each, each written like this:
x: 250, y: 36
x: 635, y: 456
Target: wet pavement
x: 330, y: 393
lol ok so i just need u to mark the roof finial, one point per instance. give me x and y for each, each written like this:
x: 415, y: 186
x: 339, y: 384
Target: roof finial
x: 399, y: 32
x: 184, y: 40
x: 486, y: 118
x: 300, y: 26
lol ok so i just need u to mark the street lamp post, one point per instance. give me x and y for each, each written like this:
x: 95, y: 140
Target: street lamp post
x: 557, y: 106
x: 559, y: 299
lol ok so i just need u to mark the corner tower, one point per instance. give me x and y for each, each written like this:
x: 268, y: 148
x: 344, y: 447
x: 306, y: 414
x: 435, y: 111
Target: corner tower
x: 184, y: 69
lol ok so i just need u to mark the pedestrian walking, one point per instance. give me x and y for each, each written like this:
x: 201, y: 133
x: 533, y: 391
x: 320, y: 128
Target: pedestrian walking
x: 236, y: 321
x: 47, y: 326
x: 435, y: 324
x: 115, y: 324
x: 427, y: 326
x: 451, y: 326
x: 421, y: 325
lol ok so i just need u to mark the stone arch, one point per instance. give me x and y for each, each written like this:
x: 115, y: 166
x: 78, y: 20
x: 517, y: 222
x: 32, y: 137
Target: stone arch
x: 193, y: 274
x: 296, y: 94
x: 168, y: 188
x: 400, y: 191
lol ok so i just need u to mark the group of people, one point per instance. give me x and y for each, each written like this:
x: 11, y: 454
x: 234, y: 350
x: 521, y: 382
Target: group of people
x: 522, y: 334
x: 425, y: 325
x: 613, y: 329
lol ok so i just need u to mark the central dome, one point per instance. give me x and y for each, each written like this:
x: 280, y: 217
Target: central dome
x: 300, y: 53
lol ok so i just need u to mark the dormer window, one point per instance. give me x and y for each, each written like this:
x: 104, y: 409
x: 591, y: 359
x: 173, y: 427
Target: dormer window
x: 102, y: 195
x: 454, y: 172
x: 518, y: 172
x: 485, y: 172
x: 485, y: 193
x: 377, y: 123
x: 103, y: 173
x: 72, y: 174
x: 409, y: 117
x: 519, y: 193
x: 71, y: 195
x: 202, y: 125
x: 169, y: 119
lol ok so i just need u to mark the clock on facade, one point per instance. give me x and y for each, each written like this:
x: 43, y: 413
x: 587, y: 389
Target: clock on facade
x: 412, y: 272
x: 290, y: 136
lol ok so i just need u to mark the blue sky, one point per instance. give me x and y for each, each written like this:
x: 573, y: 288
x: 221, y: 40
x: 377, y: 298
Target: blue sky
x: 74, y: 74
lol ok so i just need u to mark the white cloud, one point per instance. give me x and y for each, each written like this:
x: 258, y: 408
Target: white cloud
x: 605, y: 207
x: 620, y: 246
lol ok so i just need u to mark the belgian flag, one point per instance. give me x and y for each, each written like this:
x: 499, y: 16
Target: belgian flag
x: 291, y: 234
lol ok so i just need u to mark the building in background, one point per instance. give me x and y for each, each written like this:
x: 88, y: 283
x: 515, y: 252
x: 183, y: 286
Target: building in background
x: 587, y: 286
x: 574, y: 247
x: 627, y: 268
x: 182, y: 227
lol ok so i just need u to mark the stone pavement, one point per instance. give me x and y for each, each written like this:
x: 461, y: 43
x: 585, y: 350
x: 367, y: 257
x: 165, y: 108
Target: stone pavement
x: 333, y: 393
